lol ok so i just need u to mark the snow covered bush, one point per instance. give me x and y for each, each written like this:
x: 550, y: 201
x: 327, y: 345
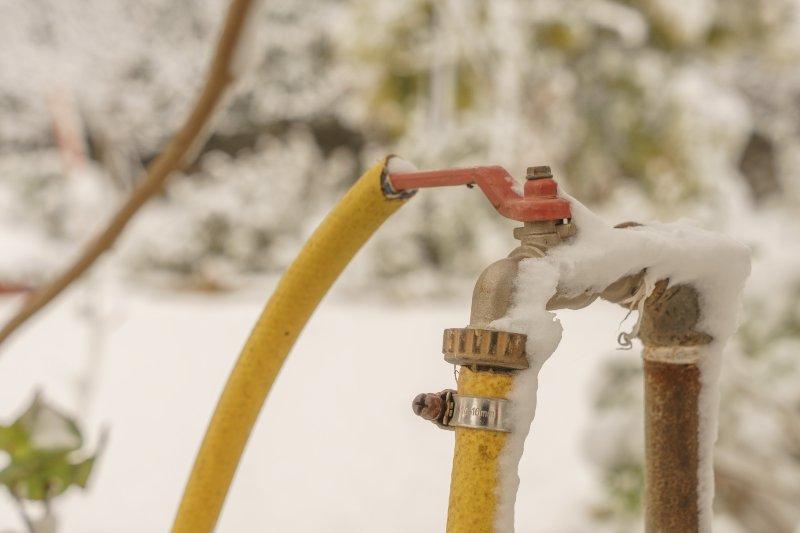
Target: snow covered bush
x: 236, y: 215
x: 634, y: 104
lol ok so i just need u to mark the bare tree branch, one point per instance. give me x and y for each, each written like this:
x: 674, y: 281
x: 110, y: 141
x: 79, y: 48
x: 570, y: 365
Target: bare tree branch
x: 219, y: 77
x: 23, y: 513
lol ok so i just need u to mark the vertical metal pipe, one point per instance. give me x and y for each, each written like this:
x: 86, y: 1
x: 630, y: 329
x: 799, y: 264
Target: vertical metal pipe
x: 671, y: 394
x: 672, y: 348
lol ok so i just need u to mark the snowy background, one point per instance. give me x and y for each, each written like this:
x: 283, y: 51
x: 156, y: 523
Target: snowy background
x: 645, y: 109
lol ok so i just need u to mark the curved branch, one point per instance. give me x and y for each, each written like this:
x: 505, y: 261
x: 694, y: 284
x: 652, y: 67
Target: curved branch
x: 220, y: 76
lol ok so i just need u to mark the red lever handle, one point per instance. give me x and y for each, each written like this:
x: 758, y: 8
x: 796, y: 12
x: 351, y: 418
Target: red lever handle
x: 539, y: 201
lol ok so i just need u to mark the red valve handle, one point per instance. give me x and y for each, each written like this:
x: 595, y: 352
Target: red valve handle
x: 539, y: 202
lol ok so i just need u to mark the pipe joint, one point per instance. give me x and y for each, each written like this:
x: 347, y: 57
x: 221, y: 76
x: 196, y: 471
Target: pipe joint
x: 670, y: 317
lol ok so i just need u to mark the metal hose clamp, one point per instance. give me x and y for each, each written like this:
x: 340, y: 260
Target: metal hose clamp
x: 480, y: 413
x: 449, y: 410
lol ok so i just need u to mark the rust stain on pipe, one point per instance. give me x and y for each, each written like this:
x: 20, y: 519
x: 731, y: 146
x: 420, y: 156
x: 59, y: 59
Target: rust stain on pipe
x: 672, y: 418
x: 671, y: 392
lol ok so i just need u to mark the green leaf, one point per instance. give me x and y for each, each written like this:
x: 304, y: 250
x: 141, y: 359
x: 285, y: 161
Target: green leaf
x: 44, y: 460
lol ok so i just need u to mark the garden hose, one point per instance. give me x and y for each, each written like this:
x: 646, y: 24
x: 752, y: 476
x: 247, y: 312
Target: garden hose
x: 326, y: 253
x: 476, y: 468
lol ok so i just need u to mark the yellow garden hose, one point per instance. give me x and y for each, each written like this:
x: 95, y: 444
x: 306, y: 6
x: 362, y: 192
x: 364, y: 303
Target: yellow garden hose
x: 473, y: 484
x: 326, y: 253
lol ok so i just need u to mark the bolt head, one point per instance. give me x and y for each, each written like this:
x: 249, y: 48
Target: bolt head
x: 428, y: 406
x: 539, y: 172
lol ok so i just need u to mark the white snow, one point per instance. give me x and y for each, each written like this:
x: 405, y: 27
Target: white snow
x: 715, y: 265
x: 166, y: 359
x: 398, y: 165
x: 49, y: 429
x: 536, y: 283
x: 518, y: 186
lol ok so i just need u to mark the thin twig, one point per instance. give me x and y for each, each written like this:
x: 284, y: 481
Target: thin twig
x: 756, y: 474
x: 750, y: 503
x: 217, y: 81
x: 23, y: 512
x: 789, y: 418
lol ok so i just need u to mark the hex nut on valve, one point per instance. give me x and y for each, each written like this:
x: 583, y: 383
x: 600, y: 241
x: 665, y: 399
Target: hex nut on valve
x: 538, y: 173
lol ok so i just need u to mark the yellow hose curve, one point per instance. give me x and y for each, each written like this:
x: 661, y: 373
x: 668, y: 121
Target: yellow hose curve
x: 326, y: 253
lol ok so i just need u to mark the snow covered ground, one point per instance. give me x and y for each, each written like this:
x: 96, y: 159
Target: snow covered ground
x: 336, y: 447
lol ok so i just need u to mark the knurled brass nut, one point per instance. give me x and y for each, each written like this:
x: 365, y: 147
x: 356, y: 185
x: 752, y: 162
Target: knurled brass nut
x: 485, y: 347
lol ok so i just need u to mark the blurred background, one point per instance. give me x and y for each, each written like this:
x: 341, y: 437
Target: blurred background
x: 645, y: 109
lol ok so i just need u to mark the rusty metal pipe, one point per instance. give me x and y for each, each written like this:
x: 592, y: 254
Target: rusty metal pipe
x: 672, y: 387
x: 671, y: 402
